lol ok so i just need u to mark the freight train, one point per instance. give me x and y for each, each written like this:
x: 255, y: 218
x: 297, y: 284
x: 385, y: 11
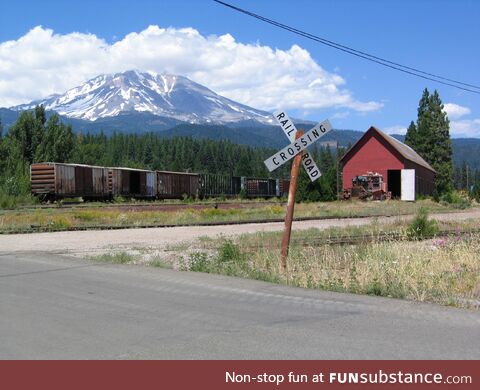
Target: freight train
x: 51, y: 181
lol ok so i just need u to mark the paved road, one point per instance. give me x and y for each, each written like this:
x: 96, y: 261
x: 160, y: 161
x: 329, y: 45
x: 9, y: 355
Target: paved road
x: 56, y: 307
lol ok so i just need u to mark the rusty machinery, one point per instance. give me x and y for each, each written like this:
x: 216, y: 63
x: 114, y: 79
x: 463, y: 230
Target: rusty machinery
x: 369, y: 186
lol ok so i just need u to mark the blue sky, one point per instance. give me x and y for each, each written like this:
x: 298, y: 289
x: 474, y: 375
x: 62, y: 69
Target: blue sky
x: 253, y: 62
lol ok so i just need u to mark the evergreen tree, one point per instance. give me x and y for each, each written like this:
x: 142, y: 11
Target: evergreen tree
x: 440, y: 154
x: 28, y: 132
x: 244, y: 166
x: 411, y: 137
x: 58, y: 142
x: 431, y: 139
x: 457, y: 178
x: 325, y: 187
x: 22, y: 133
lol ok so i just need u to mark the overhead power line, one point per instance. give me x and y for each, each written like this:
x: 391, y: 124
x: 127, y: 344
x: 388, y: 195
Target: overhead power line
x: 381, y: 61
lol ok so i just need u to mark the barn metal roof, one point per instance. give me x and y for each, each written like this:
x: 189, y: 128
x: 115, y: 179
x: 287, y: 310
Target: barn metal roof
x: 405, y: 151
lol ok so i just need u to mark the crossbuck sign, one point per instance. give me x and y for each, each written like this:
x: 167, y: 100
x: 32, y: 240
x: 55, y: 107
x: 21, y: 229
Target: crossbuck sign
x: 299, y: 142
x: 298, y: 145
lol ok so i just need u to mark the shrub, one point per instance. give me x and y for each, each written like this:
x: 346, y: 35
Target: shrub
x: 115, y: 258
x: 159, y: 263
x: 229, y: 251
x: 229, y: 260
x: 7, y: 201
x: 422, y: 227
x: 199, y: 262
x: 11, y: 201
x: 17, y: 185
x: 456, y: 200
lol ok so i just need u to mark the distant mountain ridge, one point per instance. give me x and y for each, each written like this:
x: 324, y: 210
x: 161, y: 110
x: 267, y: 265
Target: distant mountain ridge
x: 168, y: 96
x: 247, y: 133
x: 139, y: 102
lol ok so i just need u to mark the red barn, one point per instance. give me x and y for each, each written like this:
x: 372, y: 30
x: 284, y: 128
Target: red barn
x: 379, y: 152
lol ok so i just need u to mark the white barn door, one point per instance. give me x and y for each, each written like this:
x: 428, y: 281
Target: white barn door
x: 408, y: 185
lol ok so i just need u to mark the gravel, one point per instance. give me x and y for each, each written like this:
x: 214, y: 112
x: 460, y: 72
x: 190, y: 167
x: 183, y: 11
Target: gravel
x: 100, y: 241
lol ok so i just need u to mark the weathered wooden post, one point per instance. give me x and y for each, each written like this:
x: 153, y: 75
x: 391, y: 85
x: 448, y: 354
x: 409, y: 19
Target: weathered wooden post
x: 292, y: 191
x: 296, y: 151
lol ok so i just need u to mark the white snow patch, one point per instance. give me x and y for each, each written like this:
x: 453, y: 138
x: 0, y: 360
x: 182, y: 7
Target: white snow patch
x: 234, y: 108
x: 165, y: 83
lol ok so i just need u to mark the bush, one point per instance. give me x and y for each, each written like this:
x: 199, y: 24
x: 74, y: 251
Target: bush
x: 16, y: 185
x: 456, y: 200
x: 419, y: 197
x: 422, y: 227
x: 230, y: 260
x: 115, y: 258
x: 229, y: 251
x: 7, y: 201
x: 199, y: 262
x: 12, y: 201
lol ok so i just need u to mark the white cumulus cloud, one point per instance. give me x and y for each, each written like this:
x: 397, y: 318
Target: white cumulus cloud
x: 465, y: 128
x: 42, y: 63
x: 461, y: 127
x: 395, y: 130
x: 455, y: 111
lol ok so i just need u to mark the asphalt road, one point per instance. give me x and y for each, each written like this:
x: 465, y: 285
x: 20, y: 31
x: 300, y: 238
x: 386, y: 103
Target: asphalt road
x: 56, y: 307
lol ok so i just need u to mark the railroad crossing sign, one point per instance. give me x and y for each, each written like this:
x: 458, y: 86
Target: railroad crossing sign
x: 298, y: 145
x: 290, y: 130
x: 296, y: 151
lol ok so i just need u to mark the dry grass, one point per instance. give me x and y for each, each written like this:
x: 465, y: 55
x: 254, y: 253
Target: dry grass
x: 95, y: 217
x: 444, y: 270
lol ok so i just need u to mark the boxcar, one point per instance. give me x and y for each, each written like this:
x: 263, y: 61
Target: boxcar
x: 176, y: 185
x: 59, y: 180
x: 216, y: 185
x: 262, y: 188
x: 134, y: 183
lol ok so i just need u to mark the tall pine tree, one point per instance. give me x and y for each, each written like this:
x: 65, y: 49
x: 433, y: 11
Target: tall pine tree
x: 430, y: 138
x: 411, y: 138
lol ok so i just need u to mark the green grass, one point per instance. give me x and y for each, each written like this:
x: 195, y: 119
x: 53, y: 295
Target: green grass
x: 158, y: 262
x: 114, y: 258
x: 11, y: 201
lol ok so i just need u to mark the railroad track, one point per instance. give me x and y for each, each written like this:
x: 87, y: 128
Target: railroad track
x: 364, y: 239
x: 46, y: 229
x: 159, y: 206
x: 312, y: 241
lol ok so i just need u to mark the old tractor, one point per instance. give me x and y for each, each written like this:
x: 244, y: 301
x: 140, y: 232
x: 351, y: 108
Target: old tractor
x: 369, y: 186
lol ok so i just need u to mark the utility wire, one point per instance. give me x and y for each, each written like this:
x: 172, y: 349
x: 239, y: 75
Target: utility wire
x: 358, y: 53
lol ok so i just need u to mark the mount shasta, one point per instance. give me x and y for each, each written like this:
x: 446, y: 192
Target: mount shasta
x: 164, y: 95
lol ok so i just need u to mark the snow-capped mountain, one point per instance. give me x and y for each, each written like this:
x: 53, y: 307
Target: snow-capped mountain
x: 164, y: 95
